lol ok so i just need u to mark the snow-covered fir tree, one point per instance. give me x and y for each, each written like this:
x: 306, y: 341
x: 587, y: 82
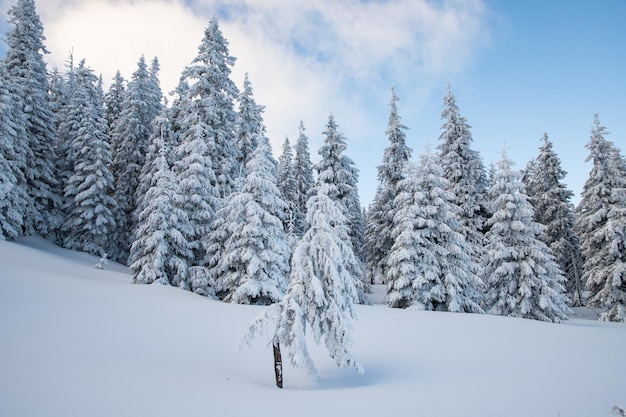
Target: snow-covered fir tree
x: 429, y: 266
x: 522, y: 276
x: 211, y: 94
x: 250, y: 126
x: 378, y: 233
x: 160, y: 252
x: 198, y: 187
x: 303, y: 176
x: 321, y: 291
x: 288, y: 186
x: 338, y: 170
x: 27, y: 79
x: 254, y: 265
x: 131, y: 134
x: 601, y: 225
x: 114, y: 99
x: 551, y: 201
x: 464, y: 170
x: 90, y: 207
x: 13, y: 197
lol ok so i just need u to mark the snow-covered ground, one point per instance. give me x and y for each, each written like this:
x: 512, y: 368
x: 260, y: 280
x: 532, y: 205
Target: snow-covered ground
x: 79, y: 341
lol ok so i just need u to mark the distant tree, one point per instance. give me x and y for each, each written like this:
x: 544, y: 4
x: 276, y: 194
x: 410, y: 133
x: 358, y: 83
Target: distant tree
x: 378, y: 230
x: 601, y: 225
x: 27, y: 79
x: 463, y: 169
x: 429, y: 266
x: 90, y: 207
x: 131, y: 132
x: 13, y: 197
x: 339, y: 171
x: 551, y: 201
x: 288, y: 186
x: 114, y: 99
x: 211, y: 94
x: 160, y: 252
x: 303, y: 176
x: 321, y: 291
x: 523, y: 279
x: 254, y: 266
x: 250, y: 127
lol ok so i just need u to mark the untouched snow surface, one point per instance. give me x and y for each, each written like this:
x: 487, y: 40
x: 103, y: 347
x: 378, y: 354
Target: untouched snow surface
x: 79, y: 341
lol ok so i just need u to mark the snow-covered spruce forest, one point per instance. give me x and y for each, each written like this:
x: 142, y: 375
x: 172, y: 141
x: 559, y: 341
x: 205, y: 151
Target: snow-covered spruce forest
x: 186, y: 192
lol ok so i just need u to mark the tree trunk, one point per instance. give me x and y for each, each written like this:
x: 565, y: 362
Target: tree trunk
x: 278, y: 365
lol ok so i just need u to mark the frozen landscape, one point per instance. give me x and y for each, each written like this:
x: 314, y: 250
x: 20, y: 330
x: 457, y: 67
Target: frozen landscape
x: 79, y: 341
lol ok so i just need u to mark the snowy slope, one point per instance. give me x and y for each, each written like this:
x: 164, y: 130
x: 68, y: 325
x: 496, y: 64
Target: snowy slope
x: 78, y: 341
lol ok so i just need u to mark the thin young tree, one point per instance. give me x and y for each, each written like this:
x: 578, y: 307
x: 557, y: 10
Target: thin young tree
x: 553, y: 208
x: 522, y: 276
x: 378, y: 229
x: 321, y: 291
x: 601, y: 225
x: 429, y: 266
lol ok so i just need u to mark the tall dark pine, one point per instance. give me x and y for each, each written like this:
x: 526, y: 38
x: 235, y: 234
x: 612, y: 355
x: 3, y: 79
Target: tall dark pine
x: 378, y: 234
x: 553, y: 208
x: 601, y: 225
x: 27, y: 80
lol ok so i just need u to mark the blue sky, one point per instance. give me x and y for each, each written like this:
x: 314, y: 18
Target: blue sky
x: 517, y: 68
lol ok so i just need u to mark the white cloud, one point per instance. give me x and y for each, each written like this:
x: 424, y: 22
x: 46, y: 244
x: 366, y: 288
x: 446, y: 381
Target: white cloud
x: 305, y: 58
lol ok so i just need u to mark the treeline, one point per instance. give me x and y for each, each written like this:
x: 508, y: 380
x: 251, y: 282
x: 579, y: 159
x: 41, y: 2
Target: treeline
x: 188, y: 194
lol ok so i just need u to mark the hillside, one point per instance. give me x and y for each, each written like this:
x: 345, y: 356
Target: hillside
x: 79, y: 341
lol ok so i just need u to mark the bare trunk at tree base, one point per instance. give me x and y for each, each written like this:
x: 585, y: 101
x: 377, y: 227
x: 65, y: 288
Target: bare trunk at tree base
x: 278, y: 365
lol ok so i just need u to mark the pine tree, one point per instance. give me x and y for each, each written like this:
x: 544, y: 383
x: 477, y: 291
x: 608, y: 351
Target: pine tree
x: 160, y: 251
x: 195, y: 175
x: 114, y: 99
x: 429, y: 266
x: 211, y: 93
x: 13, y: 197
x: 378, y: 233
x: 287, y: 186
x: 601, y: 225
x: 522, y: 277
x: 303, y: 176
x: 250, y: 126
x: 131, y: 134
x: 464, y: 170
x: 254, y: 266
x: 321, y: 290
x: 553, y: 208
x: 339, y: 171
x: 90, y: 221
x: 27, y: 80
